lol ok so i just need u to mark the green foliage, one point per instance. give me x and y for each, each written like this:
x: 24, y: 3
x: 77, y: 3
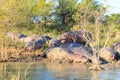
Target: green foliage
x: 113, y: 18
x: 65, y: 10
x: 45, y: 18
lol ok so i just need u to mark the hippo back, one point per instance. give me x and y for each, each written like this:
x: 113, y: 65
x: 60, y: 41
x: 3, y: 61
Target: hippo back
x: 33, y: 45
x: 76, y: 48
x: 76, y: 36
x: 107, y: 54
x: 54, y: 43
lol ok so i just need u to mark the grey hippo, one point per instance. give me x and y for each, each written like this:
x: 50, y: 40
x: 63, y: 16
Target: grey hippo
x: 68, y: 52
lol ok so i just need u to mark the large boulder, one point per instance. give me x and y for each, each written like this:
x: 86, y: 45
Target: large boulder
x: 75, y: 36
x: 107, y: 54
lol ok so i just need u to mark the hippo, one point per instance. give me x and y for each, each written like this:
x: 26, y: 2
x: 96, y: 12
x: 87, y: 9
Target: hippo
x: 46, y: 39
x: 58, y: 54
x: 70, y: 52
x: 116, y: 47
x: 77, y: 48
x: 15, y: 36
x: 107, y: 54
x: 34, y: 38
x: 75, y: 36
x: 54, y: 43
x: 30, y: 38
x: 33, y: 45
x: 36, y: 44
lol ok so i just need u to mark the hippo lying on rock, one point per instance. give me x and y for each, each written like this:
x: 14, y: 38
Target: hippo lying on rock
x: 69, y: 52
x: 75, y: 36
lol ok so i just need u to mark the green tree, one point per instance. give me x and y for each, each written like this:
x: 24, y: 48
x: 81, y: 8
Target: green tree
x: 85, y: 13
x: 113, y: 18
x: 41, y: 13
x: 64, y: 11
x: 12, y: 14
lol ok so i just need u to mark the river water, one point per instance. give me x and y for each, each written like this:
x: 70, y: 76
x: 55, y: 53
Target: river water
x: 50, y: 71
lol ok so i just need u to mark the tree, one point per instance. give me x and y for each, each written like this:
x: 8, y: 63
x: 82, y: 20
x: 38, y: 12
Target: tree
x: 84, y: 13
x: 89, y: 16
x: 114, y: 18
x: 41, y: 12
x: 64, y: 11
x: 12, y: 14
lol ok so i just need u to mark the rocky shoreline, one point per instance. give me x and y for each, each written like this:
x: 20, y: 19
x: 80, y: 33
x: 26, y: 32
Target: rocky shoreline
x: 28, y: 57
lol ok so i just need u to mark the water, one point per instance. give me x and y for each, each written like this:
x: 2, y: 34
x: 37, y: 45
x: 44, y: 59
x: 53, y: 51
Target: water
x: 50, y: 71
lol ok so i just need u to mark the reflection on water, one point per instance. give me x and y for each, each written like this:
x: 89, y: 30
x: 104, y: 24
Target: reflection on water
x: 50, y: 71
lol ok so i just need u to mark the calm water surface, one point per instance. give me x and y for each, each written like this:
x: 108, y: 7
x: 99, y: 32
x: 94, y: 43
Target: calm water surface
x: 50, y: 71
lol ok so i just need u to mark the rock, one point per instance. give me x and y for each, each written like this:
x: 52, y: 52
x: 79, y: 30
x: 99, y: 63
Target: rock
x: 107, y: 54
x: 75, y: 36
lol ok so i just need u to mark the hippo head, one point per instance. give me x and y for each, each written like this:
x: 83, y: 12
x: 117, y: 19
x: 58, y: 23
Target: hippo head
x: 54, y: 43
x: 63, y: 38
x: 46, y: 38
x: 21, y: 35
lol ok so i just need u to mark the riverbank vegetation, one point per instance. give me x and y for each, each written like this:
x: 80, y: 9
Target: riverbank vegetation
x: 53, y: 18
